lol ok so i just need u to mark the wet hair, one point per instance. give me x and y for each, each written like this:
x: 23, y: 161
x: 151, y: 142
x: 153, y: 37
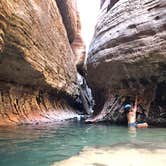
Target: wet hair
x: 127, y: 107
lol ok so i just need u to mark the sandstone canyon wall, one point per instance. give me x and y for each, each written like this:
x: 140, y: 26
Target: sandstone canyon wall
x: 127, y: 57
x: 71, y: 20
x: 37, y: 63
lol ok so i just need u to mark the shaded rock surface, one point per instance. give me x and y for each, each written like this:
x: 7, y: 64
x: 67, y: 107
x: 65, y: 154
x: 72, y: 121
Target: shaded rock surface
x: 71, y: 20
x: 85, y: 97
x: 127, y: 56
x: 69, y: 17
x: 78, y: 48
x: 36, y: 56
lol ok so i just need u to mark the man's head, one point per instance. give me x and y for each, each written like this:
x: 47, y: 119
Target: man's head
x: 127, y: 107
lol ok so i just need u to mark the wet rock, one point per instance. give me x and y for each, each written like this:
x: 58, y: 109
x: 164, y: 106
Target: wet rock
x: 127, y: 53
x: 35, y: 56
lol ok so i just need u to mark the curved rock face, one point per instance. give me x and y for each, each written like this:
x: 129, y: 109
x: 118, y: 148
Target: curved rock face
x: 78, y: 48
x: 71, y: 20
x: 127, y: 56
x: 36, y: 60
x: 69, y: 17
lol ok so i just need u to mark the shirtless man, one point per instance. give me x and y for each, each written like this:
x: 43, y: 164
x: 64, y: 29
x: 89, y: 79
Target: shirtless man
x: 131, y: 116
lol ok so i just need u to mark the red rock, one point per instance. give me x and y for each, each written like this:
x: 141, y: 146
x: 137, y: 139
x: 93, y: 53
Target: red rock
x: 36, y: 56
x: 71, y: 20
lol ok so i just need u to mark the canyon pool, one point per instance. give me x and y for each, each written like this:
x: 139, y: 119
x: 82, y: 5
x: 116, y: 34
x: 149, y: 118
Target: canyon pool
x: 75, y: 143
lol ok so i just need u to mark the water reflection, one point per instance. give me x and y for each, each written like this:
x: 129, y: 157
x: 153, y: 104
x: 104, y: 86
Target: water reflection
x: 45, y: 144
x: 132, y: 133
x: 29, y: 132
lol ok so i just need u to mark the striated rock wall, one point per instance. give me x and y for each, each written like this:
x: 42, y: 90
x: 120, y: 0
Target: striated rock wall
x: 71, y: 20
x: 69, y: 17
x: 35, y: 56
x: 78, y: 48
x: 27, y: 105
x: 127, y: 56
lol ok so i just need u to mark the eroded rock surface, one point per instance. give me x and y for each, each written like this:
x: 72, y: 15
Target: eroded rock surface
x: 78, y: 48
x: 69, y: 17
x: 127, y: 56
x: 35, y: 56
x: 71, y: 20
x: 27, y: 105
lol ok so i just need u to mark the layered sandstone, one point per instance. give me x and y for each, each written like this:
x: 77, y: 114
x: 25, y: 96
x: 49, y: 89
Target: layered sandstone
x: 71, y: 20
x: 37, y: 63
x: 69, y: 17
x: 127, y: 56
x: 78, y: 48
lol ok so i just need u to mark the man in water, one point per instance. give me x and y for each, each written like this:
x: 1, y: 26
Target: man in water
x: 131, y: 116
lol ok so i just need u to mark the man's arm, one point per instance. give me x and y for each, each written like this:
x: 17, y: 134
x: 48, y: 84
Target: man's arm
x: 135, y: 105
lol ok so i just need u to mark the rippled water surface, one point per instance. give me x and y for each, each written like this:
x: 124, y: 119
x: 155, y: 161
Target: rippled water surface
x: 45, y: 144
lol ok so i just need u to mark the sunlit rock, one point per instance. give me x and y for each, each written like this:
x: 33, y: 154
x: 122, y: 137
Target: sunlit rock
x: 37, y: 64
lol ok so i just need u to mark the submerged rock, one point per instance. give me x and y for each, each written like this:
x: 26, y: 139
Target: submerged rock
x: 127, y: 155
x: 37, y: 64
x: 127, y: 56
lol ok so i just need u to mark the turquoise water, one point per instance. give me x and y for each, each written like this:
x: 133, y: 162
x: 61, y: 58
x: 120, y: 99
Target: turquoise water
x: 45, y: 144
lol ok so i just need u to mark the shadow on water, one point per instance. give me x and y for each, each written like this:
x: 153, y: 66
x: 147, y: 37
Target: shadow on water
x: 44, y: 144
